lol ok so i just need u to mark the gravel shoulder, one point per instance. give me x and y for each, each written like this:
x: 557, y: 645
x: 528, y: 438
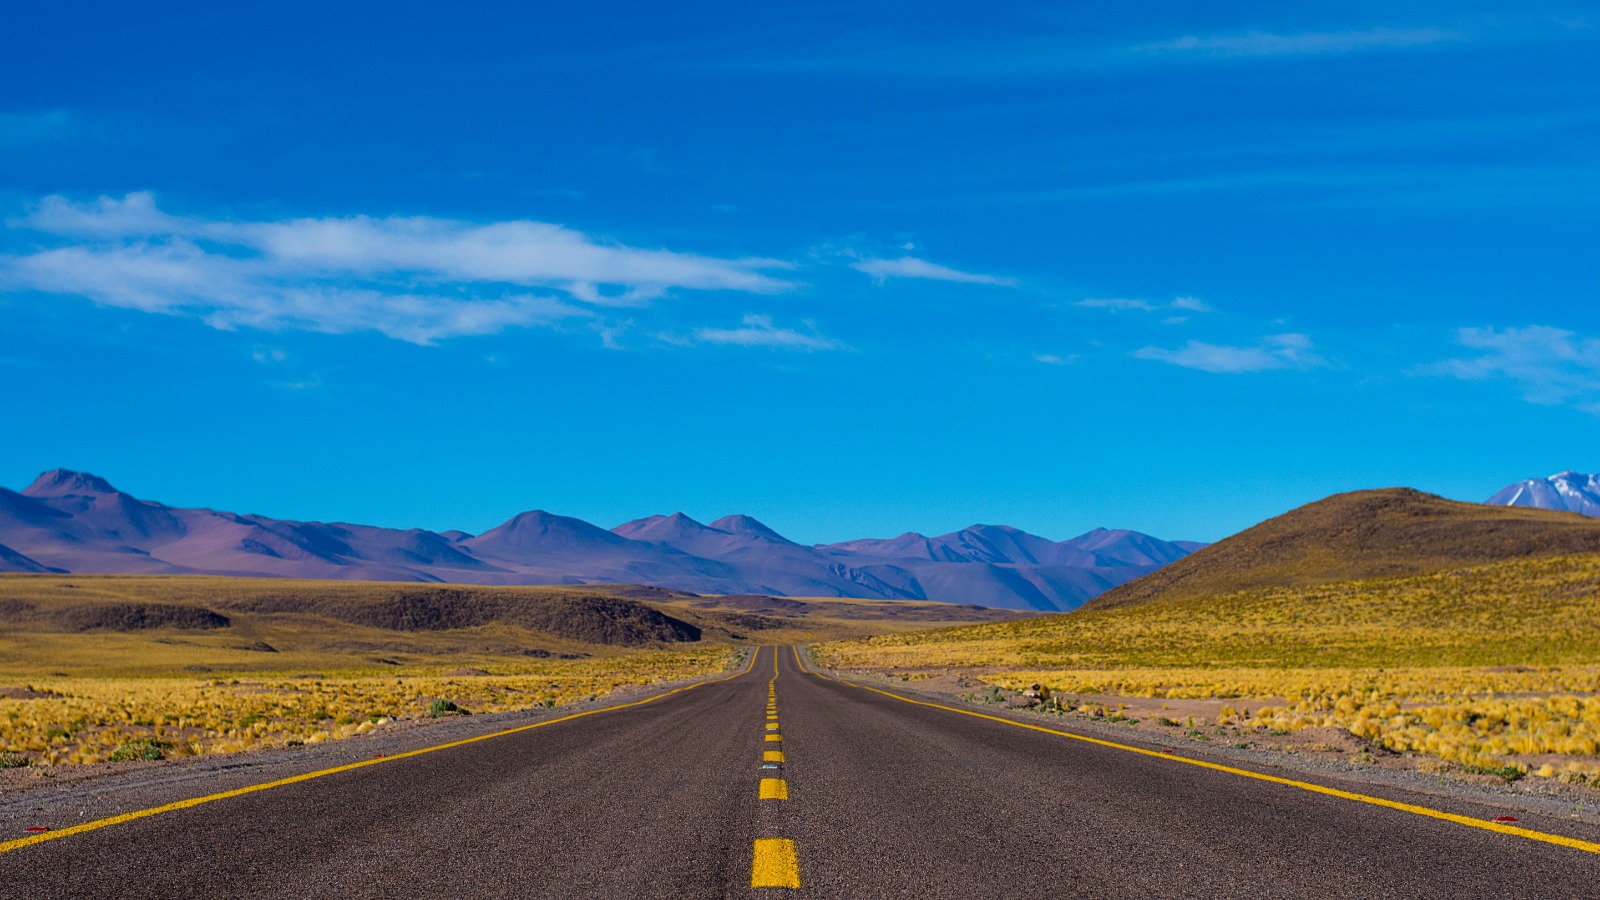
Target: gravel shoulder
x: 1328, y: 756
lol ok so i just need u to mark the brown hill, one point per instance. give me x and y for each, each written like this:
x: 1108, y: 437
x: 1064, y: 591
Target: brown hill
x: 22, y: 614
x: 1363, y: 534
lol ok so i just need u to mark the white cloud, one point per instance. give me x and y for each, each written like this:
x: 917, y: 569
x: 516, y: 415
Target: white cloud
x: 1050, y: 359
x: 1117, y: 304
x: 1278, y: 351
x: 1124, y: 304
x: 417, y: 279
x: 1551, y: 365
x: 759, y: 331
x: 911, y: 267
x: 1191, y: 304
x: 1261, y: 43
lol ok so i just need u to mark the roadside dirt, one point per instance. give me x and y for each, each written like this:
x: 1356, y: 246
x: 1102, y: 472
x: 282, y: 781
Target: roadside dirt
x: 1190, y: 727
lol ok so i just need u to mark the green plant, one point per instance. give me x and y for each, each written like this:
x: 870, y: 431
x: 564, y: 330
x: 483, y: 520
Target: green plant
x: 1509, y: 773
x: 443, y: 707
x: 1163, y: 720
x: 139, y: 750
x: 13, y: 760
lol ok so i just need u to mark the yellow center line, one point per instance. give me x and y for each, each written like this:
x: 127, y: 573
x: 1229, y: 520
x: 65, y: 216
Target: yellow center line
x: 8, y: 846
x: 774, y: 864
x: 772, y: 756
x: 774, y: 789
x: 1429, y: 812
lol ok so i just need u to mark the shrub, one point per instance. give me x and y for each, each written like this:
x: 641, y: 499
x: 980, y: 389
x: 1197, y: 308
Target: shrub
x: 12, y: 760
x: 1509, y: 773
x: 443, y: 707
x: 138, y: 750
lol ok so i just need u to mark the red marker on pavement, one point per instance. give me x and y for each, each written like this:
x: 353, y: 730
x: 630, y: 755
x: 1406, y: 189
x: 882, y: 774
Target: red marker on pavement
x: 1505, y: 818
x: 38, y: 829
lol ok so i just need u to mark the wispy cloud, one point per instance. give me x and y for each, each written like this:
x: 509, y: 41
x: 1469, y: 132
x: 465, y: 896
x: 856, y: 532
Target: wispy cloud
x: 1048, y: 51
x: 417, y: 279
x: 911, y: 267
x: 1123, y: 304
x: 1310, y: 43
x: 1277, y: 351
x: 760, y: 331
x: 1552, y: 366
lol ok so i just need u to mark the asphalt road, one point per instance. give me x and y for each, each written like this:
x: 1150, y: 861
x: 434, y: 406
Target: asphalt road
x: 880, y: 798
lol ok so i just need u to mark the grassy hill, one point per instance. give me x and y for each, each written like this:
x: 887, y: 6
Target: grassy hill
x: 1365, y: 534
x: 1457, y: 631
x: 156, y: 624
x: 98, y: 667
x: 1522, y: 612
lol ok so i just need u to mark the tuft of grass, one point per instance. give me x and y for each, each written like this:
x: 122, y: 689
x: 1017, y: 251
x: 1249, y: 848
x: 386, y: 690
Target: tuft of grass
x: 1509, y: 773
x: 139, y: 750
x: 12, y: 760
x: 443, y: 707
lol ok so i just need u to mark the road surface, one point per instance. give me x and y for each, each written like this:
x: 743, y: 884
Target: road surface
x: 777, y: 777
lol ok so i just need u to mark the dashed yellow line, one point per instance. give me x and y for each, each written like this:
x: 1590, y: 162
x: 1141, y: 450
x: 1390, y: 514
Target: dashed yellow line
x: 1429, y: 812
x: 774, y: 864
x: 18, y: 843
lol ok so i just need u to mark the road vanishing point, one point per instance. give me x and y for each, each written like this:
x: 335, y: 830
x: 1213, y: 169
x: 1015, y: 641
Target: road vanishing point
x: 780, y: 781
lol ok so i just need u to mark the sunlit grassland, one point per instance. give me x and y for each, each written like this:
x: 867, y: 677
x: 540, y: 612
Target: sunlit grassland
x: 275, y: 679
x: 1488, y: 667
x: 91, y: 668
x: 85, y: 719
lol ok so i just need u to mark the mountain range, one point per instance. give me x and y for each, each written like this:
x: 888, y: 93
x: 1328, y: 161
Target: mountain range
x: 1570, y: 491
x: 76, y: 522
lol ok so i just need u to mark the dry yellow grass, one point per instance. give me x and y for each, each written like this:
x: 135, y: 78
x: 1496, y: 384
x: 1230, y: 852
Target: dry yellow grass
x: 1494, y: 667
x: 288, y: 667
x: 79, y: 719
x: 92, y: 666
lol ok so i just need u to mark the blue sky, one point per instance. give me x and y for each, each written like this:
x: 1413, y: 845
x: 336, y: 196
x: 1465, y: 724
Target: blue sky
x: 851, y: 269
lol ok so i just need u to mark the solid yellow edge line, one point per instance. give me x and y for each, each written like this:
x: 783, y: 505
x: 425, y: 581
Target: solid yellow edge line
x: 774, y: 863
x: 18, y: 843
x: 1501, y: 827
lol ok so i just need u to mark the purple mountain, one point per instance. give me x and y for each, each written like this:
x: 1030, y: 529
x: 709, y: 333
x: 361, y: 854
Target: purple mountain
x: 1571, y: 491
x: 74, y: 522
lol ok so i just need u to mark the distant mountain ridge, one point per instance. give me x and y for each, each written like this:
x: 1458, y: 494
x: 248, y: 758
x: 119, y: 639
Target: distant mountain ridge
x: 76, y: 522
x: 1570, y: 491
